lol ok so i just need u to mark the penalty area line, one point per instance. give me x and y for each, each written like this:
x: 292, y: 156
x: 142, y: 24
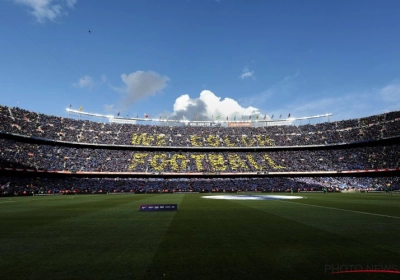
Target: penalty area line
x: 346, y: 210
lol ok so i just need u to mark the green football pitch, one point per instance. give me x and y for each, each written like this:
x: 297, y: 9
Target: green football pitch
x: 322, y: 236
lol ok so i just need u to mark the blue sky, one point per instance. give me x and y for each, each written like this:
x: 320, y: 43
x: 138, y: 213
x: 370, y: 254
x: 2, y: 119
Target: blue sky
x: 201, y: 57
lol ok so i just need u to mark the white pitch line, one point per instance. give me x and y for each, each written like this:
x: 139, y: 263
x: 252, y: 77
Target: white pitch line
x: 346, y: 210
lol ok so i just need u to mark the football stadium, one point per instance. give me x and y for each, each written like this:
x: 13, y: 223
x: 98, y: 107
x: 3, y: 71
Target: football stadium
x: 199, y: 139
x: 252, y: 202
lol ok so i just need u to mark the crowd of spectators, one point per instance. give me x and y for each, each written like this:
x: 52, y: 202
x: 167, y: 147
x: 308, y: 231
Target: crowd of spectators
x: 16, y: 154
x: 19, y: 121
x: 58, y: 155
x: 50, y: 185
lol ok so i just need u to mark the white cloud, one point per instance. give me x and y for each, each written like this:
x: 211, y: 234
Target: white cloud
x: 103, y: 79
x: 85, y: 82
x: 349, y: 105
x: 208, y: 104
x: 139, y: 85
x: 390, y: 92
x: 109, y: 108
x: 71, y: 3
x: 246, y: 73
x: 283, y: 87
x: 44, y: 10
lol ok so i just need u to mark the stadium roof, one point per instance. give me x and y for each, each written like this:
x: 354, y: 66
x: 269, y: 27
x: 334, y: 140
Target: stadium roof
x: 184, y: 121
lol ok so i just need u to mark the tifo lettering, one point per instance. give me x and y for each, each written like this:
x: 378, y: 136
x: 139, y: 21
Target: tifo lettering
x: 144, y: 139
x: 214, y: 162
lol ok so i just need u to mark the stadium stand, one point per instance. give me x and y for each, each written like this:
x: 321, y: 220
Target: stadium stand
x: 42, y: 153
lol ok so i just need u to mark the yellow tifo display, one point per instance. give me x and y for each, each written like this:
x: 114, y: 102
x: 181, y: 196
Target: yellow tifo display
x: 215, y: 162
x: 144, y: 139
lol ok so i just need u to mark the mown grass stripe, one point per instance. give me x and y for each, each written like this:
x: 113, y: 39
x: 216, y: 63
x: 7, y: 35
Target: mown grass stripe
x: 107, y: 237
x: 249, y: 239
x: 103, y: 239
x: 340, y: 209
